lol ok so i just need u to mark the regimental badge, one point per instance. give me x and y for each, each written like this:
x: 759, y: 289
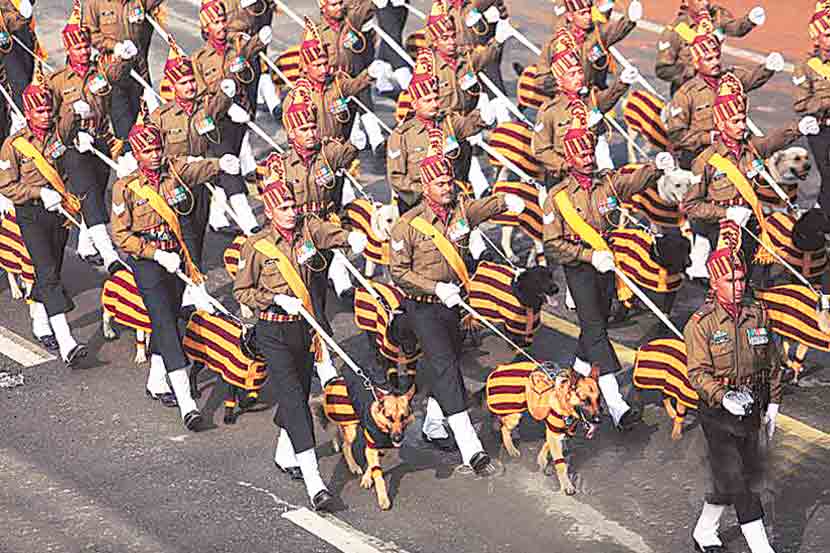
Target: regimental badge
x: 5, y: 39
x: 610, y: 204
x: 98, y: 83
x: 339, y: 106
x: 468, y: 80
x: 177, y: 196
x: 720, y: 337
x: 596, y: 54
x: 459, y: 230
x: 757, y: 336
x: 136, y: 15
x: 450, y: 144
x: 757, y: 167
x: 205, y: 125
x: 237, y: 65
x: 718, y: 174
x: 350, y: 40
x: 305, y: 251
x: 324, y: 176
x: 55, y: 150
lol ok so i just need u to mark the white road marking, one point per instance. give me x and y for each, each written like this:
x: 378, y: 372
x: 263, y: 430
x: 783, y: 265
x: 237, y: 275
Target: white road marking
x: 22, y: 350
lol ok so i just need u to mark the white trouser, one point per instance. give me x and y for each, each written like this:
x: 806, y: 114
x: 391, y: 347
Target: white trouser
x: 756, y: 537
x: 40, y: 320
x: 465, y: 435
x: 180, y: 382
x: 610, y: 389
x: 66, y: 342
x: 706, y: 530
x: 434, y: 421
x: 157, y: 377
x: 311, y: 472
x: 284, y: 454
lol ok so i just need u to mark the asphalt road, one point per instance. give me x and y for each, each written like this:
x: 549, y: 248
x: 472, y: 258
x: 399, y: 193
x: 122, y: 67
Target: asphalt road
x: 87, y: 463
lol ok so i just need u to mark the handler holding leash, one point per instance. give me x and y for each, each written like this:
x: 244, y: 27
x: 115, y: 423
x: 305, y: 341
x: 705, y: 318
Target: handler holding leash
x: 735, y: 367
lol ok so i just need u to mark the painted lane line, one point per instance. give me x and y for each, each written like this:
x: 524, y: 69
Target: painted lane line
x: 22, y: 350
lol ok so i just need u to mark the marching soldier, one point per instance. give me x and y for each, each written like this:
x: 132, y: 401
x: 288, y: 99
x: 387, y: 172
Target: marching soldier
x: 392, y: 20
x: 729, y: 169
x: 577, y: 213
x: 475, y: 27
x: 16, y: 65
x: 812, y: 96
x: 146, y: 227
x: 82, y: 93
x: 427, y: 266
x: 691, y: 121
x: 697, y: 17
x: 735, y: 367
x: 554, y: 117
x: 117, y: 26
x: 29, y: 178
x: 593, y: 38
x: 409, y: 141
x: 275, y: 272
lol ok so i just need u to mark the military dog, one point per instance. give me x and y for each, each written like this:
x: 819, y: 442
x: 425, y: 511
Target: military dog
x: 382, y: 415
x: 121, y: 303
x: 562, y: 398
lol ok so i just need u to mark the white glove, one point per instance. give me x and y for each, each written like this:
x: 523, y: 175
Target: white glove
x: 377, y: 69
x: 82, y: 109
x: 380, y: 4
x: 289, y: 304
x: 732, y: 404
x: 357, y: 241
x: 238, y: 114
x: 6, y: 205
x: 635, y: 10
x: 202, y: 300
x: 823, y: 303
x: 605, y: 6
x: 487, y: 111
x: 602, y: 260
x: 169, y: 260
x: 476, y: 244
x: 127, y: 51
x: 228, y: 87
x: 758, y: 16
x: 665, y: 162
x: 492, y: 14
x: 265, y: 34
x: 229, y: 164
x: 246, y: 3
x: 808, y: 125
x: 84, y: 142
x: 448, y: 293
x: 769, y: 419
x: 775, y: 62
x: 50, y: 198
x: 504, y: 30
x: 398, y: 3
x: 25, y: 9
x: 126, y: 165
x: 594, y: 118
x: 629, y: 75
x: 514, y: 203
x: 739, y: 214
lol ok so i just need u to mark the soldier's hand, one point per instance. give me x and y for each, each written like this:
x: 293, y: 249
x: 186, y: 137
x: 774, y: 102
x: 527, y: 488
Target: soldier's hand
x: 50, y: 198
x: 229, y: 164
x: 605, y: 6
x: 377, y: 69
x: 169, y: 260
x: 665, y: 162
x: 246, y: 3
x: 82, y: 109
x: 398, y: 3
x: 289, y: 304
x: 84, y: 142
x: 380, y: 4
x: 635, y: 10
x: 25, y: 9
x: 202, y: 300
x: 775, y: 62
x: 757, y: 16
x: 733, y: 403
x: 809, y: 125
x: 492, y: 14
x: 448, y: 293
x: 265, y: 35
x: 476, y: 244
x: 238, y: 114
x: 504, y: 30
x: 487, y: 111
x: 629, y: 75
x: 357, y: 241
x: 514, y: 203
x: 602, y: 260
x: 738, y: 214
x: 228, y: 87
x: 6, y: 205
x: 769, y: 419
x: 127, y: 51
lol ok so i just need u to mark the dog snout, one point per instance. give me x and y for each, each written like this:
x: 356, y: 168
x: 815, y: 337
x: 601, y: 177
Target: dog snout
x: 397, y: 438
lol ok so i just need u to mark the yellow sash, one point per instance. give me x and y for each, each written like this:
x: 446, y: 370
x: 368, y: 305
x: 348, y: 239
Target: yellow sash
x: 747, y: 192
x: 444, y: 246
x: 159, y: 205
x: 819, y: 67
x: 686, y: 32
x: 287, y: 270
x: 580, y: 226
x: 70, y: 202
x: 597, y: 16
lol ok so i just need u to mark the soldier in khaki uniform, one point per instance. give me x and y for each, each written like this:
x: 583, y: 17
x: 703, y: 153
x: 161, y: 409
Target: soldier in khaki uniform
x: 340, y: 30
x: 593, y: 38
x: 474, y: 30
x: 735, y: 367
x: 82, y: 93
x: 716, y: 196
x: 696, y: 17
x: 146, y: 227
x: 812, y: 96
x: 16, y: 65
x: 691, y: 123
x: 282, y: 336
x: 433, y: 284
x: 116, y: 26
x: 409, y: 141
x: 554, y: 117
x: 593, y: 198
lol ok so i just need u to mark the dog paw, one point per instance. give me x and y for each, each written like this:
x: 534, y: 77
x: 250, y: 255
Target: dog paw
x: 354, y: 469
x: 384, y: 503
x: 140, y: 358
x: 367, y: 482
x: 513, y: 451
x: 569, y: 489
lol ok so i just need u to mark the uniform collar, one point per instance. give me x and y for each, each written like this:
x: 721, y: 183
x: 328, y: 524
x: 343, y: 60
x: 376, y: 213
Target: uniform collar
x: 723, y: 316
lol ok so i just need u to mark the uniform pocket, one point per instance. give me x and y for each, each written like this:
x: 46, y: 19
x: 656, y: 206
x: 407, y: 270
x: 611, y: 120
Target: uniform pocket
x: 722, y: 355
x: 722, y: 189
x: 145, y: 217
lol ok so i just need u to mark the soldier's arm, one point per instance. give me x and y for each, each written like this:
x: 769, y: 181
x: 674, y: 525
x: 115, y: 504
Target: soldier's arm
x: 679, y: 125
x: 731, y: 25
x: 608, y: 98
x: 14, y: 21
x: 10, y: 184
x: 468, y: 125
x: 240, y: 20
x: 668, y: 66
x: 557, y: 249
x: 400, y: 263
x: 339, y: 156
x: 359, y: 12
x: 114, y: 67
x: 153, y: 5
x: 481, y: 210
x: 614, y: 31
x: 396, y: 160
x: 633, y: 178
x: 122, y: 224
x: 327, y: 236
x: 217, y: 104
x: 90, y: 19
x: 755, y: 78
x: 776, y: 140
x: 194, y: 172
x: 481, y: 57
x: 543, y: 144
x: 249, y: 47
x: 352, y: 86
x: 699, y: 363
x: 806, y: 100
x: 695, y: 204
x: 245, y: 285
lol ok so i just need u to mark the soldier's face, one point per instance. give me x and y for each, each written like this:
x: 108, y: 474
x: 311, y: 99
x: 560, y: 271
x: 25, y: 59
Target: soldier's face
x: 440, y: 190
x: 730, y: 288
x: 427, y: 106
x: 580, y: 18
x: 306, y: 136
x: 79, y: 53
x: 572, y: 80
x: 823, y: 41
x: 185, y: 88
x: 318, y: 70
x: 39, y: 117
x: 446, y: 44
x: 333, y: 9
x: 149, y: 158
x: 218, y: 28
x: 284, y: 216
x: 709, y: 65
x: 734, y: 127
x: 584, y: 161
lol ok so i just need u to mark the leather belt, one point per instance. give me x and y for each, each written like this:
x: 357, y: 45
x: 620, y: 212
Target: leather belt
x: 273, y: 317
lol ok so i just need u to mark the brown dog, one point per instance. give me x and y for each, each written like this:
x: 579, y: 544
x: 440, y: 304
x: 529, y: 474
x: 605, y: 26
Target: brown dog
x: 561, y: 397
x: 383, y: 416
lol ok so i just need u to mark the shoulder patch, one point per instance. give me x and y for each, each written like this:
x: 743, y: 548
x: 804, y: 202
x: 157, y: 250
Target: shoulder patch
x: 797, y: 81
x: 548, y: 218
x: 663, y: 46
x: 397, y: 245
x: 675, y: 111
x: 118, y: 209
x: 394, y: 154
x: 5, y: 165
x: 241, y: 264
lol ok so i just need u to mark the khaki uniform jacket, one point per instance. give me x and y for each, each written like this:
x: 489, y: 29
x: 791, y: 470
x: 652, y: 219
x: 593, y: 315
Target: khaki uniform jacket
x: 133, y: 216
x: 451, y: 95
x: 674, y: 59
x: 708, y: 199
x: 188, y: 135
x: 712, y: 349
x: 812, y: 92
x: 113, y: 21
x: 94, y: 88
x: 555, y: 119
x: 594, y: 58
x: 20, y: 181
x: 409, y: 142
x: 596, y: 206
x: 259, y: 278
x: 313, y: 184
x: 347, y: 45
x: 416, y: 263
x: 340, y: 86
x: 211, y: 67
x: 242, y: 20
x: 691, y: 115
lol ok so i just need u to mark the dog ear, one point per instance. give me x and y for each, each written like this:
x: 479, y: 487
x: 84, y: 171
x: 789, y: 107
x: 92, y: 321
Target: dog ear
x: 410, y: 393
x: 378, y: 416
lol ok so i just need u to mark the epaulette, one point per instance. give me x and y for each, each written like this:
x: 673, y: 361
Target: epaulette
x: 706, y: 309
x: 629, y: 168
x: 405, y: 125
x: 547, y: 104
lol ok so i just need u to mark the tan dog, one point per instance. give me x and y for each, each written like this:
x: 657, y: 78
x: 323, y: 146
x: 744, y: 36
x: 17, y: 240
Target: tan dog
x: 383, y: 416
x: 562, y: 398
